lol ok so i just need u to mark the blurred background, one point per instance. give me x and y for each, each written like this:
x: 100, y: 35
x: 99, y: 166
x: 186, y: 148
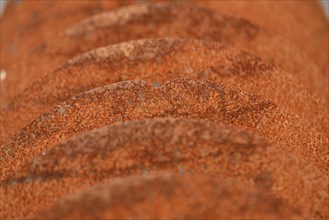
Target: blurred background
x: 325, y: 4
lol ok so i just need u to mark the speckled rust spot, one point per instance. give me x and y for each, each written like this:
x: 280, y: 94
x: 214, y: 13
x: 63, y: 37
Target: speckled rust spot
x: 264, y: 181
x: 179, y: 58
x: 169, y: 196
x: 178, y: 98
x: 165, y: 145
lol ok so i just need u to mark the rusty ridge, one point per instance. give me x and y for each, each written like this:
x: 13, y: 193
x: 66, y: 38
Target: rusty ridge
x: 178, y: 98
x: 161, y: 20
x: 200, y: 23
x: 184, y: 197
x: 159, y: 60
x: 287, y: 23
x: 165, y: 145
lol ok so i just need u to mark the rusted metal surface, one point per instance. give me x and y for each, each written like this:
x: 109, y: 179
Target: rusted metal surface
x: 203, y: 109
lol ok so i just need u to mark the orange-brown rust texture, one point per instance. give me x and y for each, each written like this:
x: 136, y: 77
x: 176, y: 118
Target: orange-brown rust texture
x: 178, y: 98
x: 300, y: 26
x: 165, y: 145
x: 169, y: 196
x: 158, y: 61
x: 162, y: 20
x: 33, y: 18
x: 164, y: 109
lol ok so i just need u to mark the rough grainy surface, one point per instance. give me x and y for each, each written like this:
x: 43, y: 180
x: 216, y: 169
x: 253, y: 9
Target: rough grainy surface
x: 300, y: 26
x: 169, y: 196
x: 162, y: 20
x: 33, y: 18
x: 165, y: 145
x: 179, y: 98
x: 300, y: 21
x: 258, y: 122
x: 158, y: 61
